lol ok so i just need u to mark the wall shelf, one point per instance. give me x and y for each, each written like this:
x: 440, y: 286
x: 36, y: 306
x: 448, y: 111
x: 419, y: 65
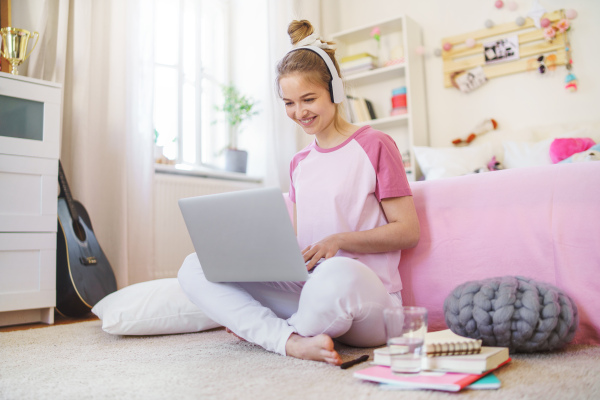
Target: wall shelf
x: 400, y: 36
x: 387, y: 121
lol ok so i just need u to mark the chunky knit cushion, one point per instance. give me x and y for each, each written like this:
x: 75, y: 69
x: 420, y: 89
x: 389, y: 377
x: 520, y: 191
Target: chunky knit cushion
x: 514, y: 312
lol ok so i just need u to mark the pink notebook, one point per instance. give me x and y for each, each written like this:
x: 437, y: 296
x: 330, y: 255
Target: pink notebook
x: 447, y: 381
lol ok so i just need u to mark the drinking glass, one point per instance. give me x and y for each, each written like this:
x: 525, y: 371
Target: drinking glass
x: 405, y: 329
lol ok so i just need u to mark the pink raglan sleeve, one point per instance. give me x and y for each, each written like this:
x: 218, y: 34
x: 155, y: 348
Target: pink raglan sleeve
x: 387, y: 162
x: 293, y: 166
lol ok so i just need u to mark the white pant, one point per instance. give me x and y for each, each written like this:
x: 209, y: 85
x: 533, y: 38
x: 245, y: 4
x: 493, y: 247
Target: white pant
x: 342, y: 298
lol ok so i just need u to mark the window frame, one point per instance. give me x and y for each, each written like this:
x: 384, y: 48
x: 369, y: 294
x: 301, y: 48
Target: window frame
x: 200, y: 76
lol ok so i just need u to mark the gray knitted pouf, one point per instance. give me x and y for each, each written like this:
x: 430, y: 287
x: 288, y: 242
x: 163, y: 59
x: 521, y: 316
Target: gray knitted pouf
x: 515, y: 312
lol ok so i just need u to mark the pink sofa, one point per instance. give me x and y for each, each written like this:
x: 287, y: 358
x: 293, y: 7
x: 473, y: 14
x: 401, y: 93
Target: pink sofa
x: 539, y: 222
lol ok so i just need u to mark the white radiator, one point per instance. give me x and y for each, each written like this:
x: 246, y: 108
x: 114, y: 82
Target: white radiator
x: 171, y: 240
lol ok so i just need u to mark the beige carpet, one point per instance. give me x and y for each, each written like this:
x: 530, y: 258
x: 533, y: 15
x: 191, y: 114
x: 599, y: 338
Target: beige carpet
x: 80, y: 361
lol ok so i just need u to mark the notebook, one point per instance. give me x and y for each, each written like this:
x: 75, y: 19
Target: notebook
x: 489, y: 381
x: 489, y: 358
x: 447, y: 351
x: 446, y: 381
x: 244, y: 236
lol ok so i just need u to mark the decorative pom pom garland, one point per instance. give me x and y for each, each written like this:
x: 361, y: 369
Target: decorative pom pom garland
x: 515, y: 312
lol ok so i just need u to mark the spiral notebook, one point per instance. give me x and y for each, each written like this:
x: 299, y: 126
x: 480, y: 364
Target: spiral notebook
x: 447, y: 351
x: 441, y: 343
x: 448, y: 343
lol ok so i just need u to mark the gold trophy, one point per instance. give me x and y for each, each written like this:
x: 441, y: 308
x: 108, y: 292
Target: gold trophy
x: 15, y: 46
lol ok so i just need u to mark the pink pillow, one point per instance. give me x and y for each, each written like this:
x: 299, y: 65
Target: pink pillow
x: 565, y: 148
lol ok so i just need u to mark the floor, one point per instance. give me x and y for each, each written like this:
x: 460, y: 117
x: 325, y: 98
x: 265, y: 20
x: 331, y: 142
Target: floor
x: 58, y: 320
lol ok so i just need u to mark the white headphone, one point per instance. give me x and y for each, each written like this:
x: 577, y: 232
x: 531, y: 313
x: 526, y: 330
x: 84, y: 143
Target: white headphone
x: 336, y: 87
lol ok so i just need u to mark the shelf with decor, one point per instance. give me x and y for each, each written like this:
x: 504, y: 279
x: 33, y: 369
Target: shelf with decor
x: 382, y: 122
x: 393, y: 85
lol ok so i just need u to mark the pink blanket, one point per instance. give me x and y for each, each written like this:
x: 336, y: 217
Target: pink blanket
x: 540, y: 222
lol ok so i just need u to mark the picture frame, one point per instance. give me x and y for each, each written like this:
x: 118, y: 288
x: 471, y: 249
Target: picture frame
x: 5, y: 20
x: 501, y: 50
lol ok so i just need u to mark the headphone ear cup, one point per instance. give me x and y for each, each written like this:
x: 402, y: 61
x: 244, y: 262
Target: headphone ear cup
x: 337, y: 90
x: 331, y: 93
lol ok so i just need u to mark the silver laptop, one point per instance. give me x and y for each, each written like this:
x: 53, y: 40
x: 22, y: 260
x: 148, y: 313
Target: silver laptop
x: 244, y: 236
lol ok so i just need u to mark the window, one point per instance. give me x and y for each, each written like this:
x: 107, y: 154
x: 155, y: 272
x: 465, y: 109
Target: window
x: 190, y: 65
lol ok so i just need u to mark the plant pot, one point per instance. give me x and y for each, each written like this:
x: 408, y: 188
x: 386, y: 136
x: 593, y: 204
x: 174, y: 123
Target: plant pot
x: 236, y: 160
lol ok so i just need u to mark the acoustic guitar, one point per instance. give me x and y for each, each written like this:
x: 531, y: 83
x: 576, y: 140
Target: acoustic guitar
x: 83, y: 273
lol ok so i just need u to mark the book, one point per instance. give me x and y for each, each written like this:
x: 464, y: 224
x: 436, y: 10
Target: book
x: 364, y: 111
x: 357, y: 56
x: 489, y: 381
x: 487, y: 359
x: 438, y: 343
x: 359, y: 62
x: 446, y: 381
x: 371, y: 109
x: 358, y: 110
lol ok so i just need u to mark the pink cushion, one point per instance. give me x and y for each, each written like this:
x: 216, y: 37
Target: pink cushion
x: 565, y: 148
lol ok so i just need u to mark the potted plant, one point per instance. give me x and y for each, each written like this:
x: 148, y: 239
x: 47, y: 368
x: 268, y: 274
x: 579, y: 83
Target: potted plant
x: 237, y: 109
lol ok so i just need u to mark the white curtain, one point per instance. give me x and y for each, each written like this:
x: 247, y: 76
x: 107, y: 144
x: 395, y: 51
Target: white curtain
x: 48, y: 61
x: 101, y: 51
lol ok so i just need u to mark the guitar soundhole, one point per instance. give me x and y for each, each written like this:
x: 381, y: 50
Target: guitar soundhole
x: 79, y: 231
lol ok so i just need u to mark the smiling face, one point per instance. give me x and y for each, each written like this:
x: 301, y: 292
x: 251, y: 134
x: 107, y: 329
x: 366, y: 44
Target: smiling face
x: 308, y: 105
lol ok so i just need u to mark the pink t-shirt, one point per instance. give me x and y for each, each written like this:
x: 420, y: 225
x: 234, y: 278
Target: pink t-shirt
x: 340, y: 189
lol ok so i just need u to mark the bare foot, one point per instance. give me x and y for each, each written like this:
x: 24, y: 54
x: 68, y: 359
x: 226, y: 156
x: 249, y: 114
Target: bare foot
x: 317, y: 348
x: 233, y: 333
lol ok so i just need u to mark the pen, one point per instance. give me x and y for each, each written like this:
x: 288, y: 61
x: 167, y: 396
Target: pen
x: 351, y: 363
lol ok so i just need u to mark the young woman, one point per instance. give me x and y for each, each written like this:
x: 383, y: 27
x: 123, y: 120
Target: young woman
x: 353, y: 214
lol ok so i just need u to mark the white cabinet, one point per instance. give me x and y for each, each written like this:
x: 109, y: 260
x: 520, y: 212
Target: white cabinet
x: 400, y: 38
x: 29, y: 151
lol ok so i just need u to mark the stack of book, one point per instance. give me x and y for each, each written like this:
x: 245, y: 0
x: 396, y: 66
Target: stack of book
x: 453, y: 363
x: 358, y: 63
x: 359, y: 109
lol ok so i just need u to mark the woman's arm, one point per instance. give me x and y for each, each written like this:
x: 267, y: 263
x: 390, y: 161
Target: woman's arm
x: 401, y: 232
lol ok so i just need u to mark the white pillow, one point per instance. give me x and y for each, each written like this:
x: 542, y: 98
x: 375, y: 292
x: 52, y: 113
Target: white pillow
x: 444, y: 162
x: 156, y: 307
x: 527, y: 154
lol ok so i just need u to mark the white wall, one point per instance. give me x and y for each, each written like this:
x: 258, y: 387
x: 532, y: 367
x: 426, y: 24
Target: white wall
x: 515, y: 101
x: 26, y: 14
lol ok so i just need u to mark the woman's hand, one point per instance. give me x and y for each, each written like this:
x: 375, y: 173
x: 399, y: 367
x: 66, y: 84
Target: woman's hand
x: 401, y: 232
x: 325, y: 248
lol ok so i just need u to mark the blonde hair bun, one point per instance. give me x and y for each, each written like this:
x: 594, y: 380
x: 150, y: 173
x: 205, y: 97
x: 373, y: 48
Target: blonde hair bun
x: 298, y: 30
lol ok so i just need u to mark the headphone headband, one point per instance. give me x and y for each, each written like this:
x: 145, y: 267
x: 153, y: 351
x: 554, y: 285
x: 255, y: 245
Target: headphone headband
x: 336, y: 86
